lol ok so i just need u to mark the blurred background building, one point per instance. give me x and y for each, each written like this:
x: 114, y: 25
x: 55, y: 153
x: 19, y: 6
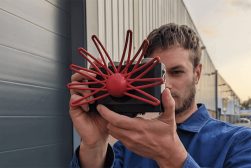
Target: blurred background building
x: 38, y: 41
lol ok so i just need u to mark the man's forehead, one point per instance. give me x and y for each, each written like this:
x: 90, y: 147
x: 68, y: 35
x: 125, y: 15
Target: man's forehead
x: 174, y: 57
x: 172, y: 53
x: 175, y: 67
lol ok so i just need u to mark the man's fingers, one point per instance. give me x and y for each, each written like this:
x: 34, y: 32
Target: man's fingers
x: 115, y: 119
x: 119, y: 133
x: 82, y: 93
x: 169, y: 105
x: 79, y: 77
x: 75, y: 97
x: 79, y: 89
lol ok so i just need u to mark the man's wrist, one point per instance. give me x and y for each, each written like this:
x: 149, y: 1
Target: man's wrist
x: 92, y: 156
x: 174, y: 156
x: 93, y: 146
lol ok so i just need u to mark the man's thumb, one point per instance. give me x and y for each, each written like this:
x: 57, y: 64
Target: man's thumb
x: 168, y: 105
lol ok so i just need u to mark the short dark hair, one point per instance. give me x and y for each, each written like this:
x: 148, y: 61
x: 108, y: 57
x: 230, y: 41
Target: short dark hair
x: 170, y: 35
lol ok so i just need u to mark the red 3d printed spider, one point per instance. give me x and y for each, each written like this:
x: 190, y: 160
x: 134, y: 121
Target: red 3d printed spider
x: 116, y: 81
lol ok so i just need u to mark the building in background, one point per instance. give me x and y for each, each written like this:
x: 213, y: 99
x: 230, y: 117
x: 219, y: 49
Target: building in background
x: 38, y: 41
x: 228, y: 101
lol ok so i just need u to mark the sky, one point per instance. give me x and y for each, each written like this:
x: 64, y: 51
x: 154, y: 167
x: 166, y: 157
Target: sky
x: 225, y: 29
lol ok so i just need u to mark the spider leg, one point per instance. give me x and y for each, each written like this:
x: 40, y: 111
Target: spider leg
x: 88, y: 70
x: 153, y: 101
x: 79, y: 101
x: 142, y: 48
x: 143, y: 66
x: 97, y: 44
x: 75, y: 69
x: 80, y: 86
x: 159, y: 82
x: 128, y: 37
x: 83, y: 51
x: 156, y: 61
x: 84, y: 54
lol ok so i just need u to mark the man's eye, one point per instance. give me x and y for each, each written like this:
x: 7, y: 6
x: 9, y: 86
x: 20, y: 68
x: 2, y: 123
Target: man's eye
x: 177, y: 72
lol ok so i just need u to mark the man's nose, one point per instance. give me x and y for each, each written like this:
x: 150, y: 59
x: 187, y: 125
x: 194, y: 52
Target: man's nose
x: 168, y: 82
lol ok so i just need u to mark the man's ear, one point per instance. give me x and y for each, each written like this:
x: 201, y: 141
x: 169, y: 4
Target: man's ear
x: 197, y: 73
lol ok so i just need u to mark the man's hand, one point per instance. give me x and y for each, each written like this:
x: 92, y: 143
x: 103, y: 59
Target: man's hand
x: 91, y: 127
x: 156, y: 138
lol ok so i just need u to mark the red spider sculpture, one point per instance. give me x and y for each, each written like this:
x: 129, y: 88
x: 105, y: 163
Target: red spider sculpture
x: 116, y: 81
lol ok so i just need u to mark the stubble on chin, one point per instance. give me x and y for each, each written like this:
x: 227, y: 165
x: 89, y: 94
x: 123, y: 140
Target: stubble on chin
x: 184, y: 104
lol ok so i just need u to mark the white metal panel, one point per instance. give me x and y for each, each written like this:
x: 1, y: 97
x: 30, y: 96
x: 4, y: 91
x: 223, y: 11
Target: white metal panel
x: 139, y: 20
x: 131, y: 13
x: 136, y: 21
x: 131, y: 21
x: 126, y: 16
x: 92, y: 22
x: 144, y: 18
x: 114, y: 53
x: 154, y: 14
x: 109, y: 28
x: 121, y: 29
x: 159, y: 10
x: 150, y: 11
x: 101, y: 21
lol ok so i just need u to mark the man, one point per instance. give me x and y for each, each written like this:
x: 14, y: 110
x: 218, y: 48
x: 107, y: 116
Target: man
x: 184, y: 135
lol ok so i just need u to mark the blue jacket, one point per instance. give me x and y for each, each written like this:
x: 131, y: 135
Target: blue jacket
x: 209, y: 143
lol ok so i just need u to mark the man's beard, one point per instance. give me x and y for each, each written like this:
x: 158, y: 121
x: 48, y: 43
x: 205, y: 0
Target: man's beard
x: 187, y: 101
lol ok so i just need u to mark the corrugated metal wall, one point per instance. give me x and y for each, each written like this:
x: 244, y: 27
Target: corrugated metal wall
x: 111, y: 18
x: 35, y: 129
x: 228, y: 100
x: 115, y: 17
x: 206, y: 87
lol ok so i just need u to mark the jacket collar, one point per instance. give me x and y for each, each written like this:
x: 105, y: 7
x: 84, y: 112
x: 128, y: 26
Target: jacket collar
x: 196, y: 121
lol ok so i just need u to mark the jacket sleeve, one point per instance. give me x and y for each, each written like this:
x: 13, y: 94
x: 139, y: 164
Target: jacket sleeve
x: 75, y: 163
x: 109, y: 160
x: 119, y: 152
x: 190, y: 163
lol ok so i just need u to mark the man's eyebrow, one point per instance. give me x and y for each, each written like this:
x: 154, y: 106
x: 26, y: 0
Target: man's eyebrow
x: 175, y: 67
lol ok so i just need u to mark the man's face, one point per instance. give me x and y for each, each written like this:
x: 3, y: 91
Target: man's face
x: 181, y: 76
